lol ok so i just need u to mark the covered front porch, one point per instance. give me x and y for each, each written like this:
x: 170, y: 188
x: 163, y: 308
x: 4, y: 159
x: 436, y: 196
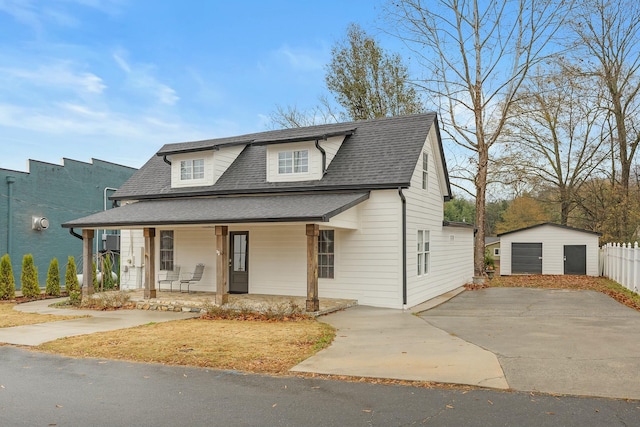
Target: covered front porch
x: 279, y: 233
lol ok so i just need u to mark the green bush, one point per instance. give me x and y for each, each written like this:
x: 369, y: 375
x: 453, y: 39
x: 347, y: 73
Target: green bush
x: 7, y: 281
x: 53, y: 279
x: 107, y: 300
x: 71, y: 276
x: 489, y: 262
x: 29, y: 278
x: 95, y: 276
x: 107, y: 270
x: 75, y: 298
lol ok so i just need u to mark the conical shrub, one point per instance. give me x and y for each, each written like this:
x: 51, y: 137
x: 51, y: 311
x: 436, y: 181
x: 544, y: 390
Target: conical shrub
x: 7, y: 281
x: 71, y: 276
x: 29, y: 278
x: 53, y: 279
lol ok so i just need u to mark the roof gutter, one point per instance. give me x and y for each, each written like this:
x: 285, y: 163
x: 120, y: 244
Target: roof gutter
x: 404, y: 247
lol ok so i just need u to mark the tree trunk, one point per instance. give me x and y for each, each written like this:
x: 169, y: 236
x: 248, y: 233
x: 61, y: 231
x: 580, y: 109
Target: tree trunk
x: 481, y: 190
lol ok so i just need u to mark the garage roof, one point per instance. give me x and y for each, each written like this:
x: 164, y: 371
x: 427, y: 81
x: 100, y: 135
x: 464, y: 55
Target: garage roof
x: 566, y: 227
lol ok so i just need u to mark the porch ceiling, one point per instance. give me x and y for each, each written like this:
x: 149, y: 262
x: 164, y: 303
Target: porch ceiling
x: 224, y: 210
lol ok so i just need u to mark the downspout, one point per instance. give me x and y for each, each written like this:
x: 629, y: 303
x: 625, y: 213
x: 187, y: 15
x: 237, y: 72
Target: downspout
x: 10, y: 181
x: 324, y: 156
x: 98, y: 237
x: 167, y: 161
x: 404, y: 247
x: 74, y: 234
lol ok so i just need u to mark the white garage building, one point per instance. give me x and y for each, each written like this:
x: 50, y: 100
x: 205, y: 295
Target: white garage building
x: 549, y: 249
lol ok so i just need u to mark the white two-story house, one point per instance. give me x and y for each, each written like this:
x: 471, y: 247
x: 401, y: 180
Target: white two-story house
x: 349, y: 210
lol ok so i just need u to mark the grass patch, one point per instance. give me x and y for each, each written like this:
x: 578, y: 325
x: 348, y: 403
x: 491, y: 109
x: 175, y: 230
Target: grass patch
x: 250, y: 346
x: 599, y: 284
x: 10, y: 317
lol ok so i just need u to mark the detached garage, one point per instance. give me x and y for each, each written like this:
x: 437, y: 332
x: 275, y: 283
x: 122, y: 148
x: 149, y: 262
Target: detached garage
x: 549, y: 249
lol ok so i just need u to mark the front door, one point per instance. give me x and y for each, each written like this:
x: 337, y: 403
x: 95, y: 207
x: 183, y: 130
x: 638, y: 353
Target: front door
x: 575, y: 259
x: 239, y: 262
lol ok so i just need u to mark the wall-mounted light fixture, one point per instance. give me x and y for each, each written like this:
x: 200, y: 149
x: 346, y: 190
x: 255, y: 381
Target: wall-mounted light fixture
x: 39, y: 223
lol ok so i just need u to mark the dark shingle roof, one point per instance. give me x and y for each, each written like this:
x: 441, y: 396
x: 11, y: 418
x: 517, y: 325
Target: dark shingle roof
x: 225, y: 210
x: 551, y: 224
x: 380, y: 153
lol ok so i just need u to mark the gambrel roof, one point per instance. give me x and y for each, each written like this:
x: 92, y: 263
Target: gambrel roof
x: 376, y: 154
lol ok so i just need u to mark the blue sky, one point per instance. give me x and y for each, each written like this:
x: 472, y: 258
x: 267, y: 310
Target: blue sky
x: 117, y: 79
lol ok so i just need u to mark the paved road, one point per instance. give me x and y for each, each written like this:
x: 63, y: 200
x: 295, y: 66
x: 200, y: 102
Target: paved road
x: 45, y: 390
x: 555, y: 341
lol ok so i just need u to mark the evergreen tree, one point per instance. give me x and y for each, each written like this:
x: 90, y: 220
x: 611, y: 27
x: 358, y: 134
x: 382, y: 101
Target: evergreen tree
x: 107, y: 269
x: 7, y: 281
x: 29, y: 278
x: 71, y: 276
x: 53, y: 279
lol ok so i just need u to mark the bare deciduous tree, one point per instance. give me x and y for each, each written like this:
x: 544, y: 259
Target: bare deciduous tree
x: 558, y: 132
x: 477, y: 55
x: 608, y: 35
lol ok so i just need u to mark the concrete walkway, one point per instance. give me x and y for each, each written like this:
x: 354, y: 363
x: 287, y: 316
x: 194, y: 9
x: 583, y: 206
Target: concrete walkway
x: 99, y: 321
x: 387, y: 343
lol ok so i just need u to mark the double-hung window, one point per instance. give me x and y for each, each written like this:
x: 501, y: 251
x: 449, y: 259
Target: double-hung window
x: 326, y: 254
x: 166, y: 250
x: 293, y: 161
x: 425, y: 171
x: 191, y: 169
x: 423, y: 252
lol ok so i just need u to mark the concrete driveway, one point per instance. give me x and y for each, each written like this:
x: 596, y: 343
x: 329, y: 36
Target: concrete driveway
x: 554, y: 341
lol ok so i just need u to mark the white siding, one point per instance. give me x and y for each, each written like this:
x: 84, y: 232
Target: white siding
x: 331, y: 147
x: 131, y: 270
x: 348, y: 219
x: 553, y: 240
x: 451, y: 248
x: 369, y: 259
x: 223, y: 158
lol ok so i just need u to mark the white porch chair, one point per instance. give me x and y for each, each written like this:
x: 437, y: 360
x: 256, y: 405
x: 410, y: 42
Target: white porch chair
x: 193, y: 277
x: 170, y: 277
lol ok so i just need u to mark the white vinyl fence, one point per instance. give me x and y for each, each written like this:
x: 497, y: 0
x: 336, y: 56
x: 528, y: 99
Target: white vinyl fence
x: 621, y: 262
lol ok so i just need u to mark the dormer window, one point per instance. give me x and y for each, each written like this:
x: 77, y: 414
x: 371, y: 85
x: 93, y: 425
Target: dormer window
x: 293, y: 162
x: 191, y: 169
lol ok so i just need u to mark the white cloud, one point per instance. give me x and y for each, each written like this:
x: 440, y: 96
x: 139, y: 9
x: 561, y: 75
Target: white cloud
x: 303, y: 59
x: 60, y: 75
x: 140, y: 77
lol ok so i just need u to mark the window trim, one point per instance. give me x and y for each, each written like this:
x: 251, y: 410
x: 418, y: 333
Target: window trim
x: 423, y: 252
x: 425, y: 170
x: 171, y: 251
x: 296, y: 162
x: 192, y: 168
x: 328, y: 252
x: 496, y: 251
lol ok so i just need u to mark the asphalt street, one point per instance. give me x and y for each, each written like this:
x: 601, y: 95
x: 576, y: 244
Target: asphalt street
x: 46, y: 390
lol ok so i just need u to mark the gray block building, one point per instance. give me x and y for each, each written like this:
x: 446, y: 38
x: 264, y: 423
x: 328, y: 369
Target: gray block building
x: 34, y: 204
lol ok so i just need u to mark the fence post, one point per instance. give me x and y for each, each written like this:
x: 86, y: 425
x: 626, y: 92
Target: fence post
x: 636, y: 258
x: 616, y: 272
